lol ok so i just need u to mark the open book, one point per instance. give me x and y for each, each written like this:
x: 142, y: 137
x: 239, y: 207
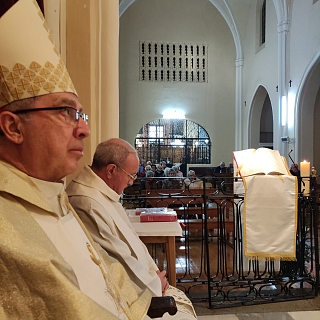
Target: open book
x: 259, y: 161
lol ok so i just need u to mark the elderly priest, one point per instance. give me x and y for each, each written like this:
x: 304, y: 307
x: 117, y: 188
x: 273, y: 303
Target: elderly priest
x: 50, y: 268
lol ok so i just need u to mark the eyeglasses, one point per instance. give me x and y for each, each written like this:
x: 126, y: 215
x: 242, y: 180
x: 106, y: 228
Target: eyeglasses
x: 133, y: 177
x: 71, y: 115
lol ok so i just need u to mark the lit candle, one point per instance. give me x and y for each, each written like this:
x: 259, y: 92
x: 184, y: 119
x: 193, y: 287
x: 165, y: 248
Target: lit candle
x: 305, y: 172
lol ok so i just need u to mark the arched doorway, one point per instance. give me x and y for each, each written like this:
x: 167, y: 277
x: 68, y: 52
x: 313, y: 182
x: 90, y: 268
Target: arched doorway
x: 308, y: 116
x: 174, y: 141
x: 261, y: 120
x: 266, y: 124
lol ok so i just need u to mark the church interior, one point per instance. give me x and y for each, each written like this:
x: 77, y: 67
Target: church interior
x: 246, y: 73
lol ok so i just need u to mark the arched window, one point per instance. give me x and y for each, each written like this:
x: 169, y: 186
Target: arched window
x: 173, y: 140
x: 263, y: 23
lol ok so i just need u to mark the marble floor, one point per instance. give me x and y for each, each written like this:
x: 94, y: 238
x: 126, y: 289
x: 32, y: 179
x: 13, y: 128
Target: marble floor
x: 304, y: 309
x: 298, y: 315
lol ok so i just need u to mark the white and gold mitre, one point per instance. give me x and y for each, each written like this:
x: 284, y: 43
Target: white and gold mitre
x: 30, y: 64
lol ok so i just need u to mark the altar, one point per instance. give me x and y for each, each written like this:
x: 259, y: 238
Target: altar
x: 159, y: 232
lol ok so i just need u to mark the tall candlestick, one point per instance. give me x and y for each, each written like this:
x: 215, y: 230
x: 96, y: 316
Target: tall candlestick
x: 305, y: 172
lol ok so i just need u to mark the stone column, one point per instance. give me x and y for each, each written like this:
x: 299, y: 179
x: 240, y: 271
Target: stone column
x: 239, y: 103
x: 90, y: 47
x: 109, y: 68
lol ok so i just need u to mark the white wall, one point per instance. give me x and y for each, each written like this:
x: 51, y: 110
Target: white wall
x: 304, y: 46
x: 211, y: 105
x: 260, y: 66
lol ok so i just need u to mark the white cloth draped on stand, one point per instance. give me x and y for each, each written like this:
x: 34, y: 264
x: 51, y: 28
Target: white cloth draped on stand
x: 270, y: 216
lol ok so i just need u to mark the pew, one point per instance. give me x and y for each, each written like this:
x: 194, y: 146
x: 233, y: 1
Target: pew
x: 191, y: 207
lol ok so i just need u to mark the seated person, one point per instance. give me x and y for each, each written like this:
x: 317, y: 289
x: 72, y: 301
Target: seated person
x: 95, y: 194
x: 177, y: 170
x: 50, y: 266
x: 159, y: 172
x: 230, y: 168
x: 171, y: 182
x: 166, y: 171
x: 221, y: 168
x: 148, y: 182
x: 142, y: 169
x: 192, y: 181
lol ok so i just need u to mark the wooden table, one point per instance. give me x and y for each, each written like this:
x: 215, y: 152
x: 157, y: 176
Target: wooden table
x: 160, y: 232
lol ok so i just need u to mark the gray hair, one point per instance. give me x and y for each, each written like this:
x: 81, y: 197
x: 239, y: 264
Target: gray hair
x: 20, y: 105
x: 191, y: 171
x: 113, y: 151
x: 149, y: 174
x: 166, y: 171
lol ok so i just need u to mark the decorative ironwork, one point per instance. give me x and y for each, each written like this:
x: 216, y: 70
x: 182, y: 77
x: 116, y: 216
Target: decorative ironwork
x: 173, y: 62
x: 174, y: 141
x: 214, y: 218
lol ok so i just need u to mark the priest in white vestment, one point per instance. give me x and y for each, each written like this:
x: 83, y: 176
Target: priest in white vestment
x: 46, y: 266
x: 95, y: 195
x: 50, y: 268
x: 192, y: 181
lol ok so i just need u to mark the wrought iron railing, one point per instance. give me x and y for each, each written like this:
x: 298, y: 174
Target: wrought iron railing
x: 224, y: 276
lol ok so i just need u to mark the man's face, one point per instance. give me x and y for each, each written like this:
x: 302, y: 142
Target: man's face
x: 192, y: 176
x: 123, y: 178
x: 52, y: 147
x: 172, y: 174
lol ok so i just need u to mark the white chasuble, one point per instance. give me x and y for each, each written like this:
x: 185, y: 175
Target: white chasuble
x: 66, y: 234
x: 99, y: 208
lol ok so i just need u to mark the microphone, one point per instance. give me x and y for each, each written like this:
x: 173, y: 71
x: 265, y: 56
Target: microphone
x: 290, y: 156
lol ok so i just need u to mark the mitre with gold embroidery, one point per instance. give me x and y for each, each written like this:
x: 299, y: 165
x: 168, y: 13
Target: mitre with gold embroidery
x: 30, y: 64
